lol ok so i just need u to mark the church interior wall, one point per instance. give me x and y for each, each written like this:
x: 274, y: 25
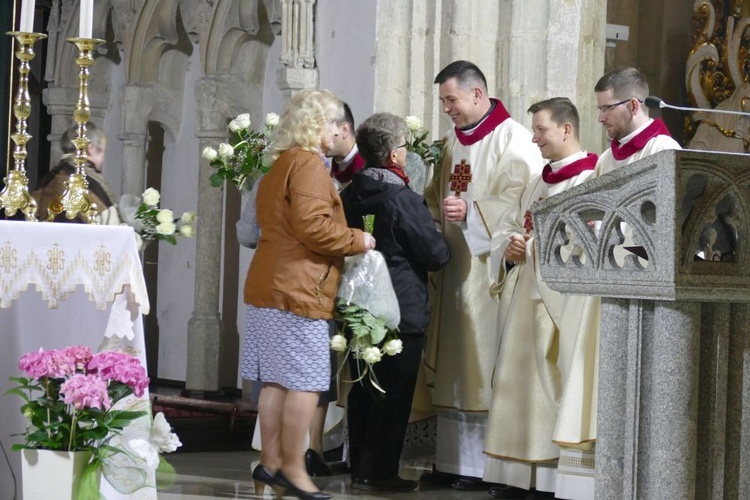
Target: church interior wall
x: 345, y: 34
x: 659, y: 42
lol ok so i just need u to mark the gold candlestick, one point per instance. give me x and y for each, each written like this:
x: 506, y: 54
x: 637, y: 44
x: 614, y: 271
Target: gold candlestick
x: 76, y: 200
x: 15, y: 196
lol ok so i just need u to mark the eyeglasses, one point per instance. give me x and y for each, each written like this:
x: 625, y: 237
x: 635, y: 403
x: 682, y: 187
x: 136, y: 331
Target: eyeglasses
x: 609, y: 107
x: 401, y: 146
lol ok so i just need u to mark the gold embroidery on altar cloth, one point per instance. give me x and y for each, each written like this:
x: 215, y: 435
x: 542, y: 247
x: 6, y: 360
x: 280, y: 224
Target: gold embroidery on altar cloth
x: 8, y: 257
x: 102, y: 261
x: 56, y: 261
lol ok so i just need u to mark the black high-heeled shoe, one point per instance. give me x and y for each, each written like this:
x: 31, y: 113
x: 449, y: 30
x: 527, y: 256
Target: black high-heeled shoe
x: 263, y: 477
x: 292, y: 489
x: 315, y: 464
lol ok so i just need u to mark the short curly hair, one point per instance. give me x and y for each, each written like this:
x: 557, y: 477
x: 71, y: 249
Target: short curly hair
x: 380, y: 134
x: 303, y: 121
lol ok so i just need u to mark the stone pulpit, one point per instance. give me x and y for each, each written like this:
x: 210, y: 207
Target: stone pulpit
x: 663, y: 243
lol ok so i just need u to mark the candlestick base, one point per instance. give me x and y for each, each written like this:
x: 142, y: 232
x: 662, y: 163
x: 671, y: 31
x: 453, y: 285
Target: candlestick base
x: 76, y: 200
x: 15, y: 196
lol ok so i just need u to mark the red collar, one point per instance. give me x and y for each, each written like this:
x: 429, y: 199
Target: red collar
x: 568, y: 171
x: 495, y: 118
x: 357, y: 164
x: 638, y: 142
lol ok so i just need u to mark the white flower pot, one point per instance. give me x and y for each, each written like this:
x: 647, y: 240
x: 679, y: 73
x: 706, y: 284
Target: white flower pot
x: 48, y: 474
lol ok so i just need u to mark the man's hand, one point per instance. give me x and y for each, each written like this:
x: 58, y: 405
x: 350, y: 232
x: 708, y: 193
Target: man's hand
x: 454, y: 209
x: 516, y: 249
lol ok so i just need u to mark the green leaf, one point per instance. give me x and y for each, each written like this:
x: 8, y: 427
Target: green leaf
x: 88, y: 487
x: 216, y: 180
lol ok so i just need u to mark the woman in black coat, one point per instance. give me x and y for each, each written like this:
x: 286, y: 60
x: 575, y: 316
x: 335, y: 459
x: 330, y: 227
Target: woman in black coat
x: 408, y: 239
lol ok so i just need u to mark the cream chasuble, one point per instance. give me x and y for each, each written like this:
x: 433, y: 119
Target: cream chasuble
x: 462, y: 339
x: 528, y: 381
x: 576, y: 425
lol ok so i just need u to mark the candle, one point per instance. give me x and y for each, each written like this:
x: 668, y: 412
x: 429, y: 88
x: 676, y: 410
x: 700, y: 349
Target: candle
x: 27, y: 16
x: 86, y: 19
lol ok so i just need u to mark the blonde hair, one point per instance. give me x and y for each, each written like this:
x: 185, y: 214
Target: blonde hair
x: 303, y: 121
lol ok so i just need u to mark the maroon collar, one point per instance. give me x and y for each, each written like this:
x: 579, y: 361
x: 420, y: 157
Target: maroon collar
x: 553, y: 177
x: 638, y: 142
x: 357, y: 164
x: 495, y: 118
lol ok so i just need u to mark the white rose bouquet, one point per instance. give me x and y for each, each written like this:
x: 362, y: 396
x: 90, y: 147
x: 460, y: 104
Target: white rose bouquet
x: 241, y: 160
x: 431, y: 153
x: 367, y: 310
x: 151, y: 222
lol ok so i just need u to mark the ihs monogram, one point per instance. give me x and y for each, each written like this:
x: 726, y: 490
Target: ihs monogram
x: 56, y: 257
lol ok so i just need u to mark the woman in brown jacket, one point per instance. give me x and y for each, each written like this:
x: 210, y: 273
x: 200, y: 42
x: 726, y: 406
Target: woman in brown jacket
x: 291, y: 286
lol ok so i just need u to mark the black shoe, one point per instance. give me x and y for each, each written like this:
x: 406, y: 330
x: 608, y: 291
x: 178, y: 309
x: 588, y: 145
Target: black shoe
x: 438, y: 478
x: 509, y: 492
x: 315, y: 464
x: 292, y: 489
x: 469, y: 484
x: 392, y: 484
x: 262, y: 477
x: 338, y: 468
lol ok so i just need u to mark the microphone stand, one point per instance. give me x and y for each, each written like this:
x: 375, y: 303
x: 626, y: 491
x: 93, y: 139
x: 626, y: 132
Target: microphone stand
x: 657, y: 103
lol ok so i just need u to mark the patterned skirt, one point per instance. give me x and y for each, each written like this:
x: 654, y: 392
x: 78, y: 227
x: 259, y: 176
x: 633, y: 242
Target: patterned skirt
x: 283, y: 348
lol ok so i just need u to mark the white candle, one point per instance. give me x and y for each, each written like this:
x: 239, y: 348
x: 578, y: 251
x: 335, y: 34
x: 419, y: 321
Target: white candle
x: 86, y: 19
x: 27, y: 16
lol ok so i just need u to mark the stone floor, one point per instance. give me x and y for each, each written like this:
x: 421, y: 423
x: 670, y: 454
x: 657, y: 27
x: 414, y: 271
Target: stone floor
x: 201, y: 476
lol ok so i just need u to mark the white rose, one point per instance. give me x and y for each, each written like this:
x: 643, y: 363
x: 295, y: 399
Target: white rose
x: 186, y: 231
x: 151, y: 197
x: 413, y: 123
x: 225, y: 150
x: 272, y: 119
x: 187, y: 218
x: 166, y: 228
x: 243, y: 120
x: 371, y: 355
x: 393, y: 347
x: 234, y: 125
x: 165, y: 215
x: 162, y: 436
x: 209, y: 153
x: 338, y: 343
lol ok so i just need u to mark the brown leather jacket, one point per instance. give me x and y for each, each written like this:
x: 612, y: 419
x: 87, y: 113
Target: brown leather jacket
x: 304, y: 238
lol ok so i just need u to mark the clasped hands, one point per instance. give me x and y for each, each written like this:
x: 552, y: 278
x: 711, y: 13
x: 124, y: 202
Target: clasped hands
x: 516, y: 249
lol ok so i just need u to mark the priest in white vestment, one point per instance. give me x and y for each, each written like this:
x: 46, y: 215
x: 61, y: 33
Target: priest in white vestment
x: 462, y: 339
x: 534, y: 357
x: 619, y: 95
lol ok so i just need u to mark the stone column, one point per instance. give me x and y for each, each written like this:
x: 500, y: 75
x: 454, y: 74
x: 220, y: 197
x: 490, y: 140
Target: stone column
x: 297, y: 46
x: 205, y: 325
x: 672, y: 392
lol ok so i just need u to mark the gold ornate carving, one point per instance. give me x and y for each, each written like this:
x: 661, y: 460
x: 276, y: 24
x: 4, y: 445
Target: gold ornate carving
x: 719, y: 62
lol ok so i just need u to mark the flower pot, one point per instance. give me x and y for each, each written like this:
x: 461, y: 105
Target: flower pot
x: 48, y: 474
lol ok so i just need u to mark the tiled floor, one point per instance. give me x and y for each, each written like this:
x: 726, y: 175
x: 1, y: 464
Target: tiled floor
x: 201, y: 476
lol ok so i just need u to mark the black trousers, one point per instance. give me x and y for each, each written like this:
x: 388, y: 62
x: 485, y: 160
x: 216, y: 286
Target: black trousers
x: 377, y: 421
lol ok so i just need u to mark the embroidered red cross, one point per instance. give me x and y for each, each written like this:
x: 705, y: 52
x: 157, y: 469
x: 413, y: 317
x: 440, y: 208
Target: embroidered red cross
x: 460, y: 178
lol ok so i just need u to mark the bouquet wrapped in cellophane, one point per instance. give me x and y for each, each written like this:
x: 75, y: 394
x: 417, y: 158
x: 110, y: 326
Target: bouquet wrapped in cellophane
x: 367, y: 310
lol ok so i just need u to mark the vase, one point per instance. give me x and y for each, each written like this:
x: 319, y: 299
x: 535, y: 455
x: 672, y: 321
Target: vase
x: 48, y: 474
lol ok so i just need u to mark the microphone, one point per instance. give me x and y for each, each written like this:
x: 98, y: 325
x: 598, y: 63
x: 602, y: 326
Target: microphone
x: 654, y: 102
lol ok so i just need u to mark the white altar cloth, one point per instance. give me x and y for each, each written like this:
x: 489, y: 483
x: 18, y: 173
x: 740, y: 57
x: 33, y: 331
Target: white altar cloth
x: 87, y: 288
